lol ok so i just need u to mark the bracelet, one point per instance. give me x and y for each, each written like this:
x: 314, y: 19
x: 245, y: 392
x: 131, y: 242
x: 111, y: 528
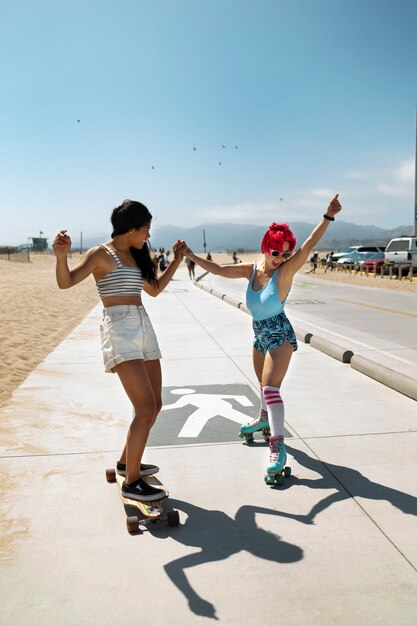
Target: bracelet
x: 327, y: 217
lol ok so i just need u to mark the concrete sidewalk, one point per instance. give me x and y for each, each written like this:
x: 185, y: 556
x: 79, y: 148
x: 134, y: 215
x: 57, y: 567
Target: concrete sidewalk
x: 336, y: 544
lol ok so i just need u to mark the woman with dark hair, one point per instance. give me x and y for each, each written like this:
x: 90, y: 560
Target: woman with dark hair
x: 274, y: 338
x: 122, y: 267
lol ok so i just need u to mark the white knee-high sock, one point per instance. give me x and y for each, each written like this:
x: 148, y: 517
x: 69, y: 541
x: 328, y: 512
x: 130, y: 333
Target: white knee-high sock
x: 275, y: 408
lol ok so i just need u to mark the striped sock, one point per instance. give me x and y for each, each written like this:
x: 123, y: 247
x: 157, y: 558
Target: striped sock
x: 275, y: 408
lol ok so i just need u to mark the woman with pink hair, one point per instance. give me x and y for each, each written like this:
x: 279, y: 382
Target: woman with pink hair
x: 269, y: 283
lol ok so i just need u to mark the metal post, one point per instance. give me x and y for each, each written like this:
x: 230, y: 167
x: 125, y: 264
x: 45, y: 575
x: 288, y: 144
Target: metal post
x: 81, y: 242
x: 204, y: 241
x: 415, y: 187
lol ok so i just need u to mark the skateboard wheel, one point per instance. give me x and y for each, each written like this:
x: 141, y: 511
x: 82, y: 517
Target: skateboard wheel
x: 287, y: 471
x: 132, y: 523
x: 111, y: 475
x: 173, y: 518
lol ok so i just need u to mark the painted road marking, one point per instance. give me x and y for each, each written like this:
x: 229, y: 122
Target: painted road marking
x: 203, y: 414
x: 378, y: 308
x: 206, y: 406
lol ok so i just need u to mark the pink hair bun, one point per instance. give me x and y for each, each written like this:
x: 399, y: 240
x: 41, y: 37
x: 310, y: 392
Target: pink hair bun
x: 275, y: 236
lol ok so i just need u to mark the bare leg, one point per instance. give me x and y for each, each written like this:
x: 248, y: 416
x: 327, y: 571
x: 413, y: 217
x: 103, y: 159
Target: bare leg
x: 153, y: 370
x: 258, y: 364
x: 276, y: 365
x: 135, y: 380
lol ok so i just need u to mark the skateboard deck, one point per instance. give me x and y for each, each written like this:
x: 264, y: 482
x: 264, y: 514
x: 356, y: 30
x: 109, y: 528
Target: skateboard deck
x: 143, y: 513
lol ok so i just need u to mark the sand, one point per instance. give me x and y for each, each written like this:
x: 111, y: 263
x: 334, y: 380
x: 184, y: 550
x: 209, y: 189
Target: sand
x: 35, y: 315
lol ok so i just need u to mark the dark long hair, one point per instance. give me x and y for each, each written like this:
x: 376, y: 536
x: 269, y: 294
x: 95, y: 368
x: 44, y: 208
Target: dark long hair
x: 131, y: 214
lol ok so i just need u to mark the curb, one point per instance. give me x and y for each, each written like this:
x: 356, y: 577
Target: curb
x: 399, y: 382
x: 386, y: 376
x: 332, y: 349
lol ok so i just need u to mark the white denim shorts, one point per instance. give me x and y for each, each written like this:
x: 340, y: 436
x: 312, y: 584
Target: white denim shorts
x: 127, y: 334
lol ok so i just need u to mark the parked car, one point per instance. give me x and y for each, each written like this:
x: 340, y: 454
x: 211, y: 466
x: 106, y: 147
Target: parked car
x: 355, y: 258
x: 402, y: 251
x: 370, y: 260
x: 353, y: 250
x: 343, y: 252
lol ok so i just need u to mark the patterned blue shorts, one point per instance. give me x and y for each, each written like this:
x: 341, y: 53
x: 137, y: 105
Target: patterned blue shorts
x: 272, y: 332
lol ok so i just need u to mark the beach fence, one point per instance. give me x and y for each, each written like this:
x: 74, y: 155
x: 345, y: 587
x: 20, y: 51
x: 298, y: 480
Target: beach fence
x: 19, y: 254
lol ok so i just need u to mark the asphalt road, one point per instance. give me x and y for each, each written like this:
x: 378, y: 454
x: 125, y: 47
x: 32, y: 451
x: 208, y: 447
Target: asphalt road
x: 378, y: 323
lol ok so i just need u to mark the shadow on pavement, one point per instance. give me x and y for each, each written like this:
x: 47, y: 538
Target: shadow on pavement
x: 349, y: 484
x: 218, y: 537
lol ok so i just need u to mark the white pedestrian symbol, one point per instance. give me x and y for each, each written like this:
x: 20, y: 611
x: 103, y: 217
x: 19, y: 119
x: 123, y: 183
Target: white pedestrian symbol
x: 207, y: 406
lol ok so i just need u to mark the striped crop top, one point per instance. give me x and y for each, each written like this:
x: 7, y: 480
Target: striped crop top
x: 122, y: 281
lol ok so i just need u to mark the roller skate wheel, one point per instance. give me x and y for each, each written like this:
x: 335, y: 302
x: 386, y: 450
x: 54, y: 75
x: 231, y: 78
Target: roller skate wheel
x: 279, y: 479
x: 287, y: 471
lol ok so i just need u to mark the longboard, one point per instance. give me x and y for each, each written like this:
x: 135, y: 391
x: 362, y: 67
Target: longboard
x: 143, y: 513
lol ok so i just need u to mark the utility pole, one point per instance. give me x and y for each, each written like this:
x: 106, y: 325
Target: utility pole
x: 415, y: 186
x: 204, y: 238
x: 81, y: 242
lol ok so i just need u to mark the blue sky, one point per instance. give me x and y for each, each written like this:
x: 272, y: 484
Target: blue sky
x: 319, y: 96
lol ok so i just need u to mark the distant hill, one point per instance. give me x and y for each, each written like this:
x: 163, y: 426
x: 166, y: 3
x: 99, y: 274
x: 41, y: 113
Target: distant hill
x: 221, y: 237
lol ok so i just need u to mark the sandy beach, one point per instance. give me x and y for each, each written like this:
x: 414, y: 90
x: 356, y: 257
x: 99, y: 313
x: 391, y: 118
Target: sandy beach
x: 35, y: 316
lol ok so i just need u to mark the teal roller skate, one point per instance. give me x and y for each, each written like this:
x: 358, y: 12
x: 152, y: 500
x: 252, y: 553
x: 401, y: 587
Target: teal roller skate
x: 260, y: 423
x: 276, y: 469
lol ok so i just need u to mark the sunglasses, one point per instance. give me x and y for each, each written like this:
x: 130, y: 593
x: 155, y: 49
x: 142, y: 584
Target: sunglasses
x: 285, y: 255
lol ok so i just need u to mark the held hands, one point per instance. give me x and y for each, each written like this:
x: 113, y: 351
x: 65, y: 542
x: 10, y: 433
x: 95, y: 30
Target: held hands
x: 178, y: 252
x: 62, y: 244
x: 186, y: 250
x: 334, y: 206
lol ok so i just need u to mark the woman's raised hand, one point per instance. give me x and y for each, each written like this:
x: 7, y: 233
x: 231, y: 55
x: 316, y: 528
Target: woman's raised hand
x: 177, y: 248
x: 334, y: 206
x: 186, y: 250
x: 62, y: 244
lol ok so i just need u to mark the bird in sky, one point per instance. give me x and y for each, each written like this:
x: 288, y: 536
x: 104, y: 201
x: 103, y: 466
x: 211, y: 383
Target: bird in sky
x: 220, y: 162
x: 236, y: 147
x: 223, y: 146
x: 194, y: 148
x: 78, y: 121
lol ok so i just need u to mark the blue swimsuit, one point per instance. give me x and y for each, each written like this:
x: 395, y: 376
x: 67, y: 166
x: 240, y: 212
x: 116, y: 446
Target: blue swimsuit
x: 270, y: 324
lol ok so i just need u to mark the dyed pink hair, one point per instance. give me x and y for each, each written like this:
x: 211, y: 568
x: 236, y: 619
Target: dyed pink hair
x: 275, y: 236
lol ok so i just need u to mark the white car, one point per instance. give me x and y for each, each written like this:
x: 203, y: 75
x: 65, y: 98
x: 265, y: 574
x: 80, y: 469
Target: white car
x: 352, y: 250
x: 402, y: 251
